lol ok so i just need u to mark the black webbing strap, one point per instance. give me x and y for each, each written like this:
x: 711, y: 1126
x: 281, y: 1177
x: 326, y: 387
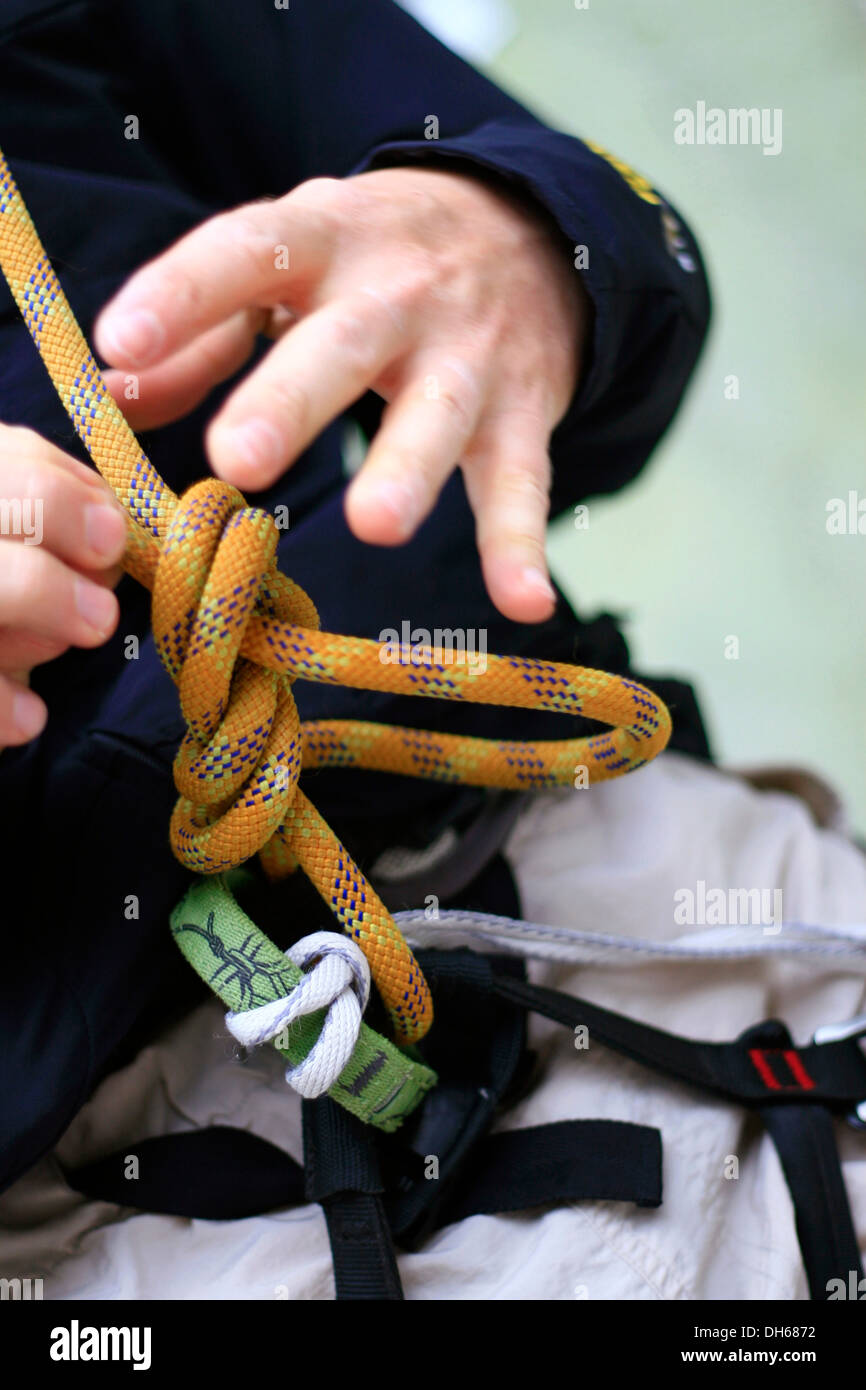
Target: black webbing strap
x: 216, y: 1174
x: 806, y: 1144
x: 478, y: 1051
x: 831, y: 1073
x: 568, y: 1161
x: 794, y: 1089
x: 223, y: 1174
x: 342, y: 1174
x: 446, y: 1164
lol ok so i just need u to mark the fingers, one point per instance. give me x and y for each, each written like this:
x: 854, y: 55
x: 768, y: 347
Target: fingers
x: 317, y: 369
x: 22, y: 713
x: 62, y: 536
x: 254, y: 255
x: 17, y: 441
x: 178, y: 385
x: 507, y: 475
x: 50, y: 500
x: 20, y: 651
x: 42, y: 596
x: 419, y: 442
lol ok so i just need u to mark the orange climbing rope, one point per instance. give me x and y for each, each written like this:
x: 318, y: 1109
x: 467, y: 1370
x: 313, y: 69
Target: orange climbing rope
x: 234, y: 633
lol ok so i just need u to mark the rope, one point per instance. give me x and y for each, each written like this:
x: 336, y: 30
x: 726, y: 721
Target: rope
x: 234, y: 633
x: 339, y: 981
x: 487, y: 932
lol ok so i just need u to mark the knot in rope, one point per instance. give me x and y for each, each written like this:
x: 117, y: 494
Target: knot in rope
x: 238, y: 765
x: 337, y: 979
x: 237, y: 768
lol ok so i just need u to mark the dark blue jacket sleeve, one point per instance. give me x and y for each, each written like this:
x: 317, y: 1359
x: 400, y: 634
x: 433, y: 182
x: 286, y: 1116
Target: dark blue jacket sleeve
x: 268, y: 97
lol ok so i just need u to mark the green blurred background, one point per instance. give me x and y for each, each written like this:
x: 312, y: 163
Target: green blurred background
x: 725, y: 532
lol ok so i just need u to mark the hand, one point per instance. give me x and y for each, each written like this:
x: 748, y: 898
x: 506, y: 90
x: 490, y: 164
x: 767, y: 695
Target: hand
x: 62, y: 536
x: 456, y: 303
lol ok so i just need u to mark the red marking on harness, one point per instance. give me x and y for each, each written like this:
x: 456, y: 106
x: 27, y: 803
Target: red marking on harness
x: 799, y: 1071
x: 802, y: 1080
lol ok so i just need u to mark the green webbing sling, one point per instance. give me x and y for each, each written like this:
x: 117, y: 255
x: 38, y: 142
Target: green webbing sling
x: 381, y: 1084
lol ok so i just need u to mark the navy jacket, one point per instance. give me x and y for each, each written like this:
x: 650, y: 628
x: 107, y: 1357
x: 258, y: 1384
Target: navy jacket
x: 235, y: 100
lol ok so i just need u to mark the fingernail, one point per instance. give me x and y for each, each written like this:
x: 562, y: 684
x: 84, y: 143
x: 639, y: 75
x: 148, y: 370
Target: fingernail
x: 534, y: 578
x: 28, y: 712
x: 136, y: 337
x: 256, y: 443
x: 398, y: 498
x: 105, y: 530
x: 95, y: 605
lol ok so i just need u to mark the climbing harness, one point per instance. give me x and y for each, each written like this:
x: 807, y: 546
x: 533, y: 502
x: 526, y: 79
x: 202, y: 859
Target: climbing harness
x: 234, y: 633
x: 375, y: 1194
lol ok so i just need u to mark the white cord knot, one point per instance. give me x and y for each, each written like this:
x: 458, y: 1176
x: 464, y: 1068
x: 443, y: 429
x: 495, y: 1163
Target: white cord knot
x: 339, y: 981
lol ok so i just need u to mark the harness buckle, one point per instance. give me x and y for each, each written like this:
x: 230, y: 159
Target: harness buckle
x: 839, y: 1032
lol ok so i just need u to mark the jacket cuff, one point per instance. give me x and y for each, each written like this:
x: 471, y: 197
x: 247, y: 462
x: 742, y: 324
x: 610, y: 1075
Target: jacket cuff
x: 643, y: 270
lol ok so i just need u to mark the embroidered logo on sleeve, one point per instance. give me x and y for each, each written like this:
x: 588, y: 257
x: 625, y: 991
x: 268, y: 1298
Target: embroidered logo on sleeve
x: 636, y: 182
x: 672, y: 230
